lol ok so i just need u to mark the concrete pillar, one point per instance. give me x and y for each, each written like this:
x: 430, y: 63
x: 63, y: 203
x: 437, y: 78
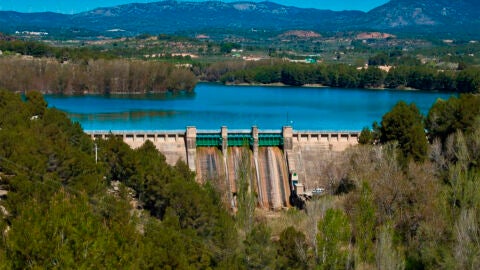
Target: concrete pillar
x: 224, y: 140
x: 255, y: 141
x: 191, y: 145
x: 287, y: 133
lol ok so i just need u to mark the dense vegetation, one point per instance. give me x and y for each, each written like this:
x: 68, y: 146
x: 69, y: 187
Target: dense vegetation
x: 93, y: 76
x: 405, y: 205
x: 424, y: 195
x: 60, y: 211
x: 345, y: 76
x: 39, y: 49
x: 430, y: 66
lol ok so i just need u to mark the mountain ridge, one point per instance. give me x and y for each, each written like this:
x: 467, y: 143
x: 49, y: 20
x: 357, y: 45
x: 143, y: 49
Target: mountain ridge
x: 173, y: 16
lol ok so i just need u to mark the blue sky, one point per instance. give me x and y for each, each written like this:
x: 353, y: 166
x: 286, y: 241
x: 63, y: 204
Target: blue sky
x: 66, y: 6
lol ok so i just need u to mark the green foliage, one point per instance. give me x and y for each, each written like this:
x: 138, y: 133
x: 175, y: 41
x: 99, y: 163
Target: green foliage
x: 67, y: 233
x: 36, y: 103
x: 292, y: 250
x: 380, y: 59
x: 387, y: 256
x: 468, y: 81
x: 39, y: 49
x: 333, y: 240
x: 246, y: 200
x: 117, y: 158
x: 404, y: 124
x: 93, y: 76
x: 372, y: 77
x: 344, y: 76
x: 446, y: 117
x: 397, y: 77
x: 170, y: 194
x: 364, y: 225
x: 259, y: 250
x: 61, y: 215
x: 227, y: 47
x: 366, y: 136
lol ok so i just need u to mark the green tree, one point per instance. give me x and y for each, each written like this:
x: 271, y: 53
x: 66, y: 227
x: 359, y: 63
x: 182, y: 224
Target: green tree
x: 372, y: 77
x: 67, y: 232
x: 380, y: 59
x: 333, y: 240
x: 366, y: 136
x: 387, y: 256
x: 468, y: 80
x: 364, y: 225
x: 36, y: 103
x: 404, y: 124
x: 446, y: 117
x: 259, y: 249
x: 292, y: 250
x: 397, y: 77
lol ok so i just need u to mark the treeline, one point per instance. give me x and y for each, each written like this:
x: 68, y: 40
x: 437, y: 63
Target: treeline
x: 40, y: 49
x: 94, y: 76
x: 345, y: 76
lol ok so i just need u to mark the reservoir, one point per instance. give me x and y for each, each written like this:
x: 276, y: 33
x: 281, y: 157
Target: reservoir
x: 240, y: 107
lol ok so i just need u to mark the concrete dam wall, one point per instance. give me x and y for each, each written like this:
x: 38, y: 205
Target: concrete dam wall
x: 274, y: 163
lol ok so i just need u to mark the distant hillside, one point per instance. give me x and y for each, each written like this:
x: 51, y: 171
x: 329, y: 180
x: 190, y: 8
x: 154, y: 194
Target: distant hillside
x: 425, y: 15
x: 458, y: 16
x: 16, y: 21
x: 171, y: 16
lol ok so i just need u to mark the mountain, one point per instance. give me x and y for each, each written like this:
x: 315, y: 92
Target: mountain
x: 11, y: 21
x: 173, y: 16
x: 425, y: 15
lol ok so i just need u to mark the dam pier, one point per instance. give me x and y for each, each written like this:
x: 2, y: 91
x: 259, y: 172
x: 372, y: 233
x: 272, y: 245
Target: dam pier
x: 275, y: 162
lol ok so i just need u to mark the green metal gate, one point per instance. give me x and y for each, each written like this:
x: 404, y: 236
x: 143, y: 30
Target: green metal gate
x: 209, y: 140
x: 270, y: 139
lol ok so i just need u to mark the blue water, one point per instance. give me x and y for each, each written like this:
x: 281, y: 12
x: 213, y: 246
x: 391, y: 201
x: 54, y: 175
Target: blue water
x: 241, y: 107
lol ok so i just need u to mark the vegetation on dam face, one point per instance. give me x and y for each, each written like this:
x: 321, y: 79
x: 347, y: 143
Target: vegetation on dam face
x: 390, y: 206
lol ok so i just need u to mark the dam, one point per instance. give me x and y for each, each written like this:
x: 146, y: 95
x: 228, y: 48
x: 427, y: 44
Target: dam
x: 274, y: 163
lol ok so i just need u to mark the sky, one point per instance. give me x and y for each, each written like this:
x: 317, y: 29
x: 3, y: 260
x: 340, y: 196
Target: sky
x: 70, y: 7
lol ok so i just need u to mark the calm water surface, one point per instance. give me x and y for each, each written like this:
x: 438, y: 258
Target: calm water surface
x: 240, y: 107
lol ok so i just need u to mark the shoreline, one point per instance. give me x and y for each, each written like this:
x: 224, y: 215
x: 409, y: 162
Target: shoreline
x: 278, y: 84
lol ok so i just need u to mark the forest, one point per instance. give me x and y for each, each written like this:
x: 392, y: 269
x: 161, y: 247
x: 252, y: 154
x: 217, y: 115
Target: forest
x: 407, y: 198
x: 418, y: 77
x: 93, y: 76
